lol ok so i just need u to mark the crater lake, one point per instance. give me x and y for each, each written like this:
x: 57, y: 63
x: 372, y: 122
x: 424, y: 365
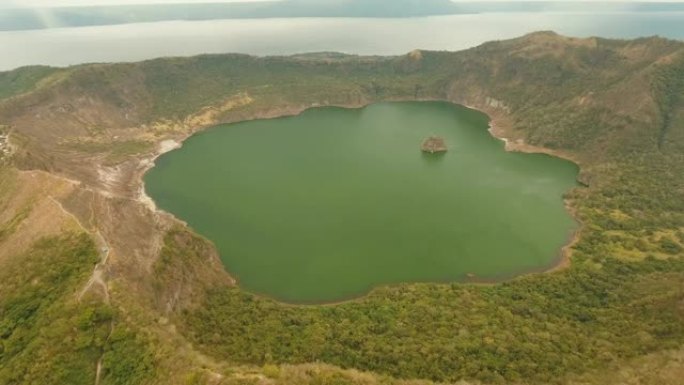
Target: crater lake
x: 326, y: 205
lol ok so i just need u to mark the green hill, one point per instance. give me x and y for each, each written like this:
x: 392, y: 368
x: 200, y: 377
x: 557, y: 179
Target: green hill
x: 159, y: 307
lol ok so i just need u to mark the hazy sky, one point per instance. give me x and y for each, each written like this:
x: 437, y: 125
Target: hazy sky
x: 53, y: 3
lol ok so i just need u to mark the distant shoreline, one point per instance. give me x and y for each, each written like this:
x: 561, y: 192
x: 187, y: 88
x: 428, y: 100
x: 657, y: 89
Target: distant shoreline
x: 65, y: 46
x: 43, y: 15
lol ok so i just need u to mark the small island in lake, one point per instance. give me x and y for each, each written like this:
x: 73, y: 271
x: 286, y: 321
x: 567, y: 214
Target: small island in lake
x: 433, y: 144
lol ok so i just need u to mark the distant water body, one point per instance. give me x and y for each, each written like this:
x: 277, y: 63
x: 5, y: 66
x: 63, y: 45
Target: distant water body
x: 366, y: 36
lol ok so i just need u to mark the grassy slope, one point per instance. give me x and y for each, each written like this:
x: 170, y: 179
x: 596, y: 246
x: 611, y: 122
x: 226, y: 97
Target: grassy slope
x: 616, y: 106
x: 47, y: 336
x: 23, y: 80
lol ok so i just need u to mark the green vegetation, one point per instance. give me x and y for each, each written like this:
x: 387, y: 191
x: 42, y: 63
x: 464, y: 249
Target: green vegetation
x: 668, y: 87
x: 46, y: 335
x: 8, y: 185
x: 184, y: 256
x: 127, y: 358
x: 8, y: 228
x: 537, y: 329
x: 22, y: 80
x: 614, y: 106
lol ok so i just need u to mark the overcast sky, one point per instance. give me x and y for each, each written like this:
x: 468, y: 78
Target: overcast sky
x: 53, y: 3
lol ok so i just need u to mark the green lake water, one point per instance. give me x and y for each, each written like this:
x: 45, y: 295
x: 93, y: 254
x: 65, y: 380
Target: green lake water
x: 326, y: 205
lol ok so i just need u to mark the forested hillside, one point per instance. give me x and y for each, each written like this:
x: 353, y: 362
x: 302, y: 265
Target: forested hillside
x: 131, y: 295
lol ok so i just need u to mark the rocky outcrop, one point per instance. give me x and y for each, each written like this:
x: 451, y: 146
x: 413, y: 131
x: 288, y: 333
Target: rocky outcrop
x: 433, y: 144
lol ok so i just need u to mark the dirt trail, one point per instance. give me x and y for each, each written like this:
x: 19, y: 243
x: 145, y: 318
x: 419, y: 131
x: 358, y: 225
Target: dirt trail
x: 98, y: 367
x: 100, y: 267
x: 96, y: 278
x: 98, y: 371
x: 98, y: 272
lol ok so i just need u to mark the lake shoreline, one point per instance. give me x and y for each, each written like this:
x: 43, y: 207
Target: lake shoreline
x: 500, y: 132
x: 496, y: 128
